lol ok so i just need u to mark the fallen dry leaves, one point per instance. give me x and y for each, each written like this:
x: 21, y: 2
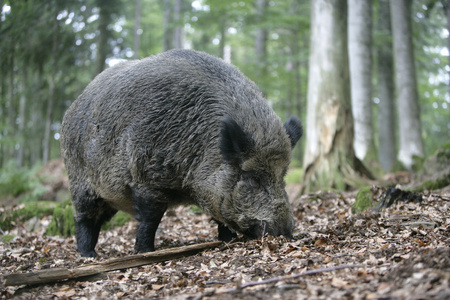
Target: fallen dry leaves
x: 401, y: 253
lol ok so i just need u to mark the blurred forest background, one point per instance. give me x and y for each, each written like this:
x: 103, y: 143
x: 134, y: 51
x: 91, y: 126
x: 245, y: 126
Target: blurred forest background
x: 51, y: 49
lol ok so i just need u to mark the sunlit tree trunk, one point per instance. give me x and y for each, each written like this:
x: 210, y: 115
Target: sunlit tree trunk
x: 329, y: 160
x: 137, y: 24
x: 360, y: 62
x: 386, y: 108
x: 411, y: 143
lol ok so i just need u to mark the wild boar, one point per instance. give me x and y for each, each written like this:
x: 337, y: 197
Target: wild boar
x: 181, y: 127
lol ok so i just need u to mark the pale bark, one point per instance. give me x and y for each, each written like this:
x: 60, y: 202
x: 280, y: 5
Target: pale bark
x: 360, y: 62
x: 329, y: 156
x: 167, y: 38
x: 21, y: 120
x: 178, y: 30
x: 137, y: 24
x: 411, y: 143
x: 386, y: 109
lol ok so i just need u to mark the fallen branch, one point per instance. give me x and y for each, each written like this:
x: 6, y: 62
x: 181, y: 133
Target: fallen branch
x: 275, y: 280
x: 52, y: 275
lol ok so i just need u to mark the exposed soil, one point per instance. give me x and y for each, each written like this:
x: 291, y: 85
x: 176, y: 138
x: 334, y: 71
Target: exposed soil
x: 401, y: 253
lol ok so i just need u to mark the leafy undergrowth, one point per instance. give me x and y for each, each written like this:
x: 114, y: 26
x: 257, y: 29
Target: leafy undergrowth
x: 401, y: 253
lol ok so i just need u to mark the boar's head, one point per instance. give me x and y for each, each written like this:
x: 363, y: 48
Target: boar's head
x: 257, y: 203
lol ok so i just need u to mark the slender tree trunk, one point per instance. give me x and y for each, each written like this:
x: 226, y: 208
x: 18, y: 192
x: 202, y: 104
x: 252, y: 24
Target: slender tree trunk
x: 329, y: 160
x: 137, y: 24
x: 102, y: 44
x: 386, y: 108
x: 22, y: 119
x: 11, y: 107
x: 360, y: 62
x: 46, y: 149
x: 178, y: 30
x: 167, y: 39
x: 223, y: 30
x: 411, y: 143
x: 447, y: 9
x: 261, y: 41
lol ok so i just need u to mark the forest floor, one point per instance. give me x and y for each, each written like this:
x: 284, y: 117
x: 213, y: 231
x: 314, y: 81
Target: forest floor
x: 401, y: 253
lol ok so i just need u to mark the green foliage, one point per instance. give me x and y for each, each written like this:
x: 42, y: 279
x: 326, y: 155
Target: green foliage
x: 63, y: 223
x: 14, y: 181
x: 9, y: 218
x: 118, y: 220
x: 7, y: 238
x: 364, y: 200
x: 21, y: 182
x: 294, y: 175
x: 436, y: 184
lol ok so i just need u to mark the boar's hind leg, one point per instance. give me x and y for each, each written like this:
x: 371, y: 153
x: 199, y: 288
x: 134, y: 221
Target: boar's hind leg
x: 149, y: 206
x: 89, y: 220
x: 225, y: 234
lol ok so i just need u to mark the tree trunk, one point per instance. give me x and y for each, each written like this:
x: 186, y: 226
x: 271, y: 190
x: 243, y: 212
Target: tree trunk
x: 411, y: 143
x: 21, y: 120
x: 329, y: 160
x: 261, y: 41
x: 167, y: 39
x: 11, y: 107
x: 46, y: 149
x: 137, y: 24
x: 102, y: 45
x: 223, y: 30
x: 360, y: 62
x: 386, y: 111
x: 178, y: 30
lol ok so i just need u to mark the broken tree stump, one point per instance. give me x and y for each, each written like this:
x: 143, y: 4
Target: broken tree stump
x: 59, y: 274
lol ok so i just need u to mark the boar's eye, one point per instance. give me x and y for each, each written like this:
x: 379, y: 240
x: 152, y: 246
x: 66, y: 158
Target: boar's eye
x: 254, y: 179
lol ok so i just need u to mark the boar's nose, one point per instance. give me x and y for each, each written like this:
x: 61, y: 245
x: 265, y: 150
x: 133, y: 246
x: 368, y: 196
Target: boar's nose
x: 261, y: 227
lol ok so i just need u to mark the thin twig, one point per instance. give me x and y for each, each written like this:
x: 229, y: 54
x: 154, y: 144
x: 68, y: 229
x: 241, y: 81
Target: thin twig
x: 276, y: 279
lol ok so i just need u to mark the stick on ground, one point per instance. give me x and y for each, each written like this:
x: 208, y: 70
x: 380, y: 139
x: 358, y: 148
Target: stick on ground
x: 53, y: 275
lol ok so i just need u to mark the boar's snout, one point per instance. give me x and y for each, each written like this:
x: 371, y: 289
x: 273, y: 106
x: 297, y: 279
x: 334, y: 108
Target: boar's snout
x: 259, y: 228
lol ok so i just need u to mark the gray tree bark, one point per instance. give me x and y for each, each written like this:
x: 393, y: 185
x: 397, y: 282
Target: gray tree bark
x: 167, y: 38
x: 386, y: 108
x: 329, y: 160
x: 411, y: 143
x: 360, y: 62
x: 178, y: 30
x: 137, y: 24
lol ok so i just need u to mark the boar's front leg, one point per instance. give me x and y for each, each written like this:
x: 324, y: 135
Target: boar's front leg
x: 149, y: 206
x: 91, y: 214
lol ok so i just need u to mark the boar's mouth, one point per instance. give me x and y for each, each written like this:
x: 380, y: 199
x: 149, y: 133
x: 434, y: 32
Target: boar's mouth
x: 257, y: 228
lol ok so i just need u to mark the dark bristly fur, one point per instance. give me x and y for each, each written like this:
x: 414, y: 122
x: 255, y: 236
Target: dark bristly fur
x: 178, y: 127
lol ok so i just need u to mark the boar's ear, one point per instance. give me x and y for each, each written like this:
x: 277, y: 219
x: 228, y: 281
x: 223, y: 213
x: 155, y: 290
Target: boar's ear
x: 234, y: 142
x: 294, y: 129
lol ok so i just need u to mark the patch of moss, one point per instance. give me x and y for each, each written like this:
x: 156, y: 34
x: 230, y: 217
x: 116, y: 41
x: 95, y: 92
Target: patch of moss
x: 118, y: 220
x: 196, y: 210
x: 63, y: 223
x: 364, y: 200
x: 13, y: 216
x: 433, y: 184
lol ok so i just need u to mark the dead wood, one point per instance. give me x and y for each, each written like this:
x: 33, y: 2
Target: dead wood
x: 53, y: 275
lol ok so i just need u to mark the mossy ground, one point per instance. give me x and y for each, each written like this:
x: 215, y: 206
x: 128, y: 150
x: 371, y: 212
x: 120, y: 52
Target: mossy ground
x: 364, y: 200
